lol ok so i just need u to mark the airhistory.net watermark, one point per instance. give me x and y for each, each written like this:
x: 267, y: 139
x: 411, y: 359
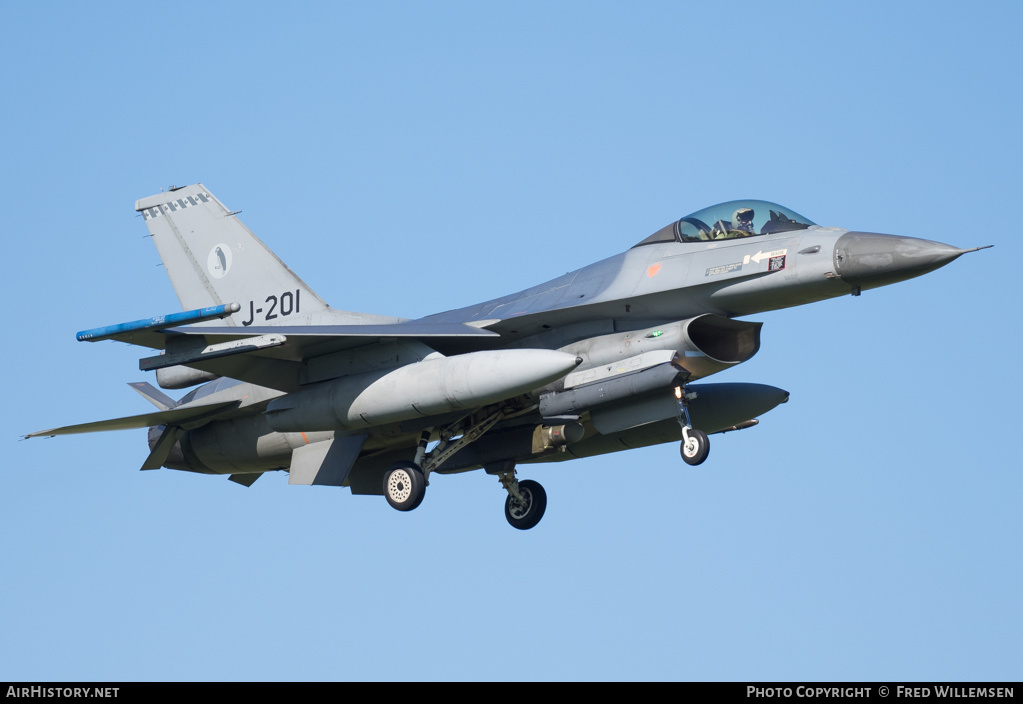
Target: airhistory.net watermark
x: 62, y: 692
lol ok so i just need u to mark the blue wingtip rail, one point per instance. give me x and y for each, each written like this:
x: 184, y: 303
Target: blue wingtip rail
x: 188, y: 317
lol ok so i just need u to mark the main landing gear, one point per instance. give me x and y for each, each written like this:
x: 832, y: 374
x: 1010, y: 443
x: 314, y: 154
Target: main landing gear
x: 695, y: 445
x: 405, y: 482
x: 526, y: 501
x: 404, y: 486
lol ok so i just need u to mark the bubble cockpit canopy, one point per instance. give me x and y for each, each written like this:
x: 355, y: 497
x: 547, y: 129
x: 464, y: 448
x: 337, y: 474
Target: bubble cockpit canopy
x: 731, y: 220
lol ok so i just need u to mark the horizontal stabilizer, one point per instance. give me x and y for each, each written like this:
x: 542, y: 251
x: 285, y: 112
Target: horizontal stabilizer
x: 188, y: 417
x: 154, y: 395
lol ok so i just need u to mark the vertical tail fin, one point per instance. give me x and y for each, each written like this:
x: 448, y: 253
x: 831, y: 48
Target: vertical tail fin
x: 212, y: 259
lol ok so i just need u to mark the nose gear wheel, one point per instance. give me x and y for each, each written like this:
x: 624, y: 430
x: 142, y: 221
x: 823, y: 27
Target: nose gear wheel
x: 695, y: 447
x: 695, y: 443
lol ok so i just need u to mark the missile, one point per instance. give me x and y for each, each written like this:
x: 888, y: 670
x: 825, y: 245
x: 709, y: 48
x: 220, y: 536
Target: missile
x: 188, y: 317
x: 431, y: 387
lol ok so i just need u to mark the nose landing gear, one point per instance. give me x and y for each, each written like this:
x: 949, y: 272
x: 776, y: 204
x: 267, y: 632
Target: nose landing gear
x: 695, y: 446
x: 695, y: 443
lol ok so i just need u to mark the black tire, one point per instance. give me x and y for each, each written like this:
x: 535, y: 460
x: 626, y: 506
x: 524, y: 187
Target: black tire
x: 528, y: 515
x: 404, y: 486
x: 698, y: 450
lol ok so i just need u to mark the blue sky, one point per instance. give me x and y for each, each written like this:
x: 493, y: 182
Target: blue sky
x: 407, y: 158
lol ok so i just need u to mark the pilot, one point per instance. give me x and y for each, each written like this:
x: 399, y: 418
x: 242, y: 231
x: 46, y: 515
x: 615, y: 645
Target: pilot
x: 742, y: 220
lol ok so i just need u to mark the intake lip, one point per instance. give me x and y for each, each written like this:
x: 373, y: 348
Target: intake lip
x: 723, y: 339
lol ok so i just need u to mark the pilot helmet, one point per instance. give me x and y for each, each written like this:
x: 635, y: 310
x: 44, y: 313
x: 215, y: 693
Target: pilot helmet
x: 742, y: 219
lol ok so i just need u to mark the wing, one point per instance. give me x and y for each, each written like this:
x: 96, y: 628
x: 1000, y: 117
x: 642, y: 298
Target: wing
x: 283, y: 357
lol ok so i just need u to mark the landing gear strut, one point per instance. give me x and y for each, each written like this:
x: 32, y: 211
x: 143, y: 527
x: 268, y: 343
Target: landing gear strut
x: 695, y: 444
x: 405, y: 482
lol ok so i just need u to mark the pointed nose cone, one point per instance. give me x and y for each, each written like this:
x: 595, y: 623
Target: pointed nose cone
x: 869, y: 259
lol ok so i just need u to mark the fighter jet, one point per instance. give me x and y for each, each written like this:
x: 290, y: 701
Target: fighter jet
x: 599, y: 360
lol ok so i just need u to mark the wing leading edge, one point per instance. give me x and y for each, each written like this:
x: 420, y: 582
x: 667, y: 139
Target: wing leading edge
x: 274, y: 356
